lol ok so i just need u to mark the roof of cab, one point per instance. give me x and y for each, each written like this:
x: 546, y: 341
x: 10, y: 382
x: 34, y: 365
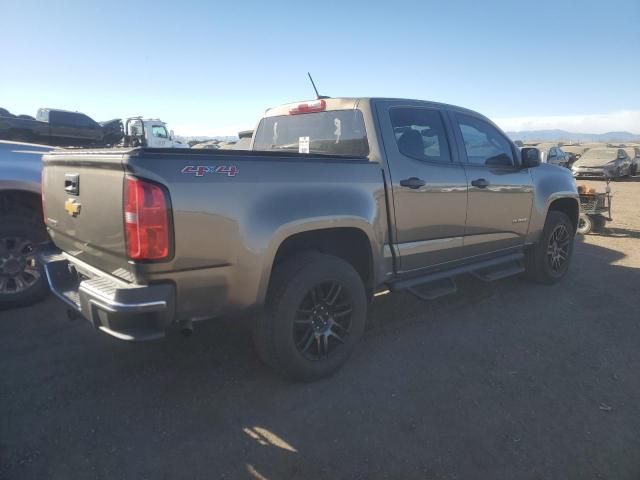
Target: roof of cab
x: 349, y: 103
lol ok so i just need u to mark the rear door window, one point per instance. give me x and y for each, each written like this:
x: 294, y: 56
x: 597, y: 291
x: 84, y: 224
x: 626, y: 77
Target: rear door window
x: 62, y: 118
x: 338, y: 132
x: 420, y: 134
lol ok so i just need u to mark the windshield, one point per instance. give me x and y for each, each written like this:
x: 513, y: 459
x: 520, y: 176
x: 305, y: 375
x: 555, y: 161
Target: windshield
x: 598, y: 157
x: 339, y: 132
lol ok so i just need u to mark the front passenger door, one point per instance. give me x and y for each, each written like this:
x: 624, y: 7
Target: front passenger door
x: 500, y: 192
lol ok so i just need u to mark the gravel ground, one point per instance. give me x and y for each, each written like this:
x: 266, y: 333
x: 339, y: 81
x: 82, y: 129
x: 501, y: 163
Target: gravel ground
x: 500, y: 381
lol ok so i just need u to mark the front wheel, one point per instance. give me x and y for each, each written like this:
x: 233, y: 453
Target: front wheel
x: 548, y: 261
x: 314, y: 316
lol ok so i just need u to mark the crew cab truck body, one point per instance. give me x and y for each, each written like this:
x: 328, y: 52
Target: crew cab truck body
x: 339, y: 198
x: 61, y: 127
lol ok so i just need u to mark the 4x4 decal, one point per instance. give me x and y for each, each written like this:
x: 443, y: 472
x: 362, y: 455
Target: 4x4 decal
x: 202, y: 170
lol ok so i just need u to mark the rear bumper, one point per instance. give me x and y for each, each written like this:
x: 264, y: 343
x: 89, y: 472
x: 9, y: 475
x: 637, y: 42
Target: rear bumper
x: 126, y: 311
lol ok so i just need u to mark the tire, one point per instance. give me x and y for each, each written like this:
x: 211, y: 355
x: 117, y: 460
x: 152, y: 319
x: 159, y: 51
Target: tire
x: 22, y: 280
x: 548, y: 261
x: 633, y: 169
x: 599, y: 222
x: 585, y: 224
x: 302, y: 333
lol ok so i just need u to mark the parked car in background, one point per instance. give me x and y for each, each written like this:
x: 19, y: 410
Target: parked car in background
x: 338, y: 198
x: 21, y: 226
x: 613, y: 163
x: 209, y: 145
x: 149, y: 132
x: 553, y: 154
x: 59, y: 127
x: 634, y: 155
x: 244, y: 140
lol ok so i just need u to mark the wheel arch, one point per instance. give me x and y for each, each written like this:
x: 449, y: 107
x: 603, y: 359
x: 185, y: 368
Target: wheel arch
x: 13, y: 199
x: 349, y: 242
x: 569, y: 206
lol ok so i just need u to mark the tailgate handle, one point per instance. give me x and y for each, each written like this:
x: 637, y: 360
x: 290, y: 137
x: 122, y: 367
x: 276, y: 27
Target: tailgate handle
x: 72, y: 183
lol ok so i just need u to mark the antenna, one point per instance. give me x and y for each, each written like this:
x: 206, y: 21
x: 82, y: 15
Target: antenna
x: 318, y: 96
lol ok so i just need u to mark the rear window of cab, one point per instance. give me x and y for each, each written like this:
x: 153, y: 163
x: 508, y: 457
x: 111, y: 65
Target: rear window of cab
x: 337, y: 132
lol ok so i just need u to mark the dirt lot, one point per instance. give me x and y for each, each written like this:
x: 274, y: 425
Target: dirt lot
x: 501, y: 381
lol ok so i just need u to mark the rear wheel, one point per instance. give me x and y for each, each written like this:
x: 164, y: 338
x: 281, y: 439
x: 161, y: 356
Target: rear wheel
x: 21, y: 277
x: 548, y: 261
x: 314, y: 317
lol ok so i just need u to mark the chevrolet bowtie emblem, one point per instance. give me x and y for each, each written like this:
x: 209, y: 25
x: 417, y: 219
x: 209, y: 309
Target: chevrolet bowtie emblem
x: 72, y: 206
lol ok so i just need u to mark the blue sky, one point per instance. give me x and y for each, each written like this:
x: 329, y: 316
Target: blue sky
x: 210, y: 67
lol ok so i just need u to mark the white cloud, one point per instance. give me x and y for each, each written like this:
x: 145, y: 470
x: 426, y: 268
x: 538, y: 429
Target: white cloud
x: 625, y: 120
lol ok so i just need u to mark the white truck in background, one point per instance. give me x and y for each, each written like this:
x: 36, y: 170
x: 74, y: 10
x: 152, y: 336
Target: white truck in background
x: 149, y: 132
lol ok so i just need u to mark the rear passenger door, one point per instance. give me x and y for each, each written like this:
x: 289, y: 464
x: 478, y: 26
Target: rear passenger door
x: 500, y: 192
x: 429, y: 187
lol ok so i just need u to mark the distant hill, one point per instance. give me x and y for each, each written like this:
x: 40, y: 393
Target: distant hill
x: 563, y: 135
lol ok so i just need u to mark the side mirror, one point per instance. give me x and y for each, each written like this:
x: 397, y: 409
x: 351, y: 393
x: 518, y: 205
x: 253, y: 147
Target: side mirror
x: 530, y: 157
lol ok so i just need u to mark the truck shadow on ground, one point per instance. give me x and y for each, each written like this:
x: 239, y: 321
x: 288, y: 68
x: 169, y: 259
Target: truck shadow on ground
x: 617, y: 232
x: 496, y: 378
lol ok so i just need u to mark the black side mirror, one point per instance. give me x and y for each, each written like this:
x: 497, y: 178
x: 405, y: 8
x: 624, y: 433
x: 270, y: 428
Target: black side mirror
x: 530, y: 157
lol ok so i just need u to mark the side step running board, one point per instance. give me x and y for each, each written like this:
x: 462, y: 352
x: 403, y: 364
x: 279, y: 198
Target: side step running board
x: 437, y: 284
x: 499, y: 272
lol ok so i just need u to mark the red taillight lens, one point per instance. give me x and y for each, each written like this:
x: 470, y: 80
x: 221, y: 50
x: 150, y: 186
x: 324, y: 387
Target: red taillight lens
x: 309, y: 107
x: 146, y: 220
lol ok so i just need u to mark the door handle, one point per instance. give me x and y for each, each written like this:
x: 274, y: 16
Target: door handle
x: 480, y: 183
x: 412, y: 182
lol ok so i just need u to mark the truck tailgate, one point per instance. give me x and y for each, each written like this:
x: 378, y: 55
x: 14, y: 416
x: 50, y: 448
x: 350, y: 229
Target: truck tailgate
x: 83, y: 207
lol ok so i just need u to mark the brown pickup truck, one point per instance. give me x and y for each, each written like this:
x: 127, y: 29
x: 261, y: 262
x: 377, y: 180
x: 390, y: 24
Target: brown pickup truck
x: 337, y: 199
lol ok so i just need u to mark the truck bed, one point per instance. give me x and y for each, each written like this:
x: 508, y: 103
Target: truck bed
x: 229, y: 211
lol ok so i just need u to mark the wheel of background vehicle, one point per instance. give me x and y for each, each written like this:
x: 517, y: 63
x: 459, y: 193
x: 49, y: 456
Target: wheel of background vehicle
x: 598, y: 222
x: 633, y: 169
x: 618, y: 175
x: 21, y: 277
x: 548, y: 261
x: 585, y: 225
x: 314, y: 316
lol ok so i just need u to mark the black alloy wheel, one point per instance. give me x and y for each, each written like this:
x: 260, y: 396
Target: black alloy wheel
x: 323, y: 320
x: 558, y: 248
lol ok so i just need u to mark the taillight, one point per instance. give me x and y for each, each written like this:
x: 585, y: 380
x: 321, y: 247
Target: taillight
x: 146, y: 220
x: 309, y: 107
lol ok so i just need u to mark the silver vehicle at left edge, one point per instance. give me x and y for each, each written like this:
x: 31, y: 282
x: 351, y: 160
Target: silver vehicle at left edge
x: 21, y: 226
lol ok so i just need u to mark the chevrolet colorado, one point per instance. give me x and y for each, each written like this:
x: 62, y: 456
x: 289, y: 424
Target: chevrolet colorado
x: 338, y: 198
